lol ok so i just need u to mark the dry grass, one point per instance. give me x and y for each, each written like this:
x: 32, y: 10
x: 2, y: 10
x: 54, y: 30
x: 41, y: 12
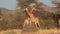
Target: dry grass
x: 18, y: 31
x: 12, y: 31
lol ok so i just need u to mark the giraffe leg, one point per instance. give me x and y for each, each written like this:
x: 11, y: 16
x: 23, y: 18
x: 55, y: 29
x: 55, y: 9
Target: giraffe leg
x: 25, y: 22
x: 30, y: 22
x: 38, y: 24
x: 35, y: 24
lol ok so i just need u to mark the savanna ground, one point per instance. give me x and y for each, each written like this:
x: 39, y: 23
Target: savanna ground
x: 19, y: 31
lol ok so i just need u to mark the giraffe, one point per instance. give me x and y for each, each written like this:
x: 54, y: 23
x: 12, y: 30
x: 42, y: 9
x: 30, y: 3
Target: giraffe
x: 31, y: 19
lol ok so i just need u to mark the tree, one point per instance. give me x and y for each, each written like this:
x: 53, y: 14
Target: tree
x: 25, y: 3
x: 57, y: 3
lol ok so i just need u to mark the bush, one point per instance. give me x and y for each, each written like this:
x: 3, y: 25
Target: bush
x: 48, y: 23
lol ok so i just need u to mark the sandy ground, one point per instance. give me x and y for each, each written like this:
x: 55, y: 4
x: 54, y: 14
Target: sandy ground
x: 18, y: 31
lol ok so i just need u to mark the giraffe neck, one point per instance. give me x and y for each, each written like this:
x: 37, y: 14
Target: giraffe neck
x: 31, y: 15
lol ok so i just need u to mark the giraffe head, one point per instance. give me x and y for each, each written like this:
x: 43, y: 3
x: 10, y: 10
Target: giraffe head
x: 33, y: 8
x: 26, y: 9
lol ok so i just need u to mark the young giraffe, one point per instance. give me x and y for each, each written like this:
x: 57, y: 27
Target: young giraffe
x: 32, y: 19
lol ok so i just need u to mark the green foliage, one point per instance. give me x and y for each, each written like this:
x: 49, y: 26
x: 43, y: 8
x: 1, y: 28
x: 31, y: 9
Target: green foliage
x: 58, y: 6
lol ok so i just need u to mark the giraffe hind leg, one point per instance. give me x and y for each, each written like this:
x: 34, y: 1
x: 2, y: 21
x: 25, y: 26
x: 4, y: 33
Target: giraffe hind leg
x: 37, y: 23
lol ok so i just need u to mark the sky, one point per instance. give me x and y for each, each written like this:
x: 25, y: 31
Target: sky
x: 11, y: 4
